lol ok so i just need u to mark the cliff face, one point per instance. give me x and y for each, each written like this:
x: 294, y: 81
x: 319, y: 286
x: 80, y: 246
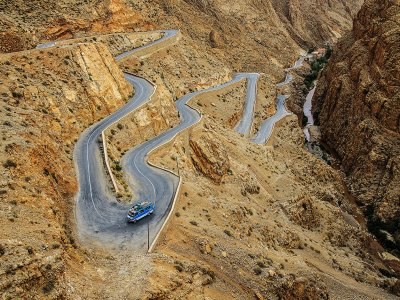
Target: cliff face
x: 48, y: 97
x: 358, y: 105
x: 24, y: 23
x: 334, y: 19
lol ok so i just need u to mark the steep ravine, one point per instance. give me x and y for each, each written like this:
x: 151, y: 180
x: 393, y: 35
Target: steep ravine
x: 357, y: 103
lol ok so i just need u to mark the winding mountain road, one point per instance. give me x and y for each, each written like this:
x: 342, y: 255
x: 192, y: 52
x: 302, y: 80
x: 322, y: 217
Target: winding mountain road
x: 307, y: 112
x: 267, y: 127
x: 99, y: 216
x: 245, y: 123
x: 97, y: 211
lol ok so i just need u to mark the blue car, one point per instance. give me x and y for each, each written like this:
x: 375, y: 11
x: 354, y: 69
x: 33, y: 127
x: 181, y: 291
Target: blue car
x: 140, y: 210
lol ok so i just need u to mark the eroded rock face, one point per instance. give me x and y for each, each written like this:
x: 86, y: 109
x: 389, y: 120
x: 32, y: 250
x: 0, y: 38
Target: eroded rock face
x: 358, y: 106
x: 215, y: 39
x: 209, y: 156
x: 303, y: 212
x: 297, y: 17
x: 47, y: 97
x: 24, y: 23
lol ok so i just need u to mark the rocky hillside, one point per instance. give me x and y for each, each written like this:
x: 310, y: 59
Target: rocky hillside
x: 24, y: 23
x: 254, y: 33
x: 358, y: 106
x: 273, y: 215
x: 42, y: 116
x: 334, y: 18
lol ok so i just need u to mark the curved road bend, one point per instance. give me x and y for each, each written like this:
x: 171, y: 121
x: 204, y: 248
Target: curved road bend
x: 288, y: 79
x: 245, y: 123
x: 307, y: 112
x: 99, y: 216
x: 167, y: 35
x: 266, y: 128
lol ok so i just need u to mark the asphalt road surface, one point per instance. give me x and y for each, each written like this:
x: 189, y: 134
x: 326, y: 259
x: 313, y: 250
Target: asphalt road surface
x: 245, y: 123
x: 267, y: 127
x: 307, y: 112
x: 99, y: 216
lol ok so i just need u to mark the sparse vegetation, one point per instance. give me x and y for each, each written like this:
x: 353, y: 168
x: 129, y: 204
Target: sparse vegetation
x: 49, y: 286
x: 316, y: 67
x: 257, y: 271
x: 228, y: 233
x: 9, y: 164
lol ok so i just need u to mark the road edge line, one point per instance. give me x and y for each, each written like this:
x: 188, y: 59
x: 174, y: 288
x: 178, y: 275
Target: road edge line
x: 155, y: 240
x: 177, y: 193
x: 103, y: 134
x: 106, y: 159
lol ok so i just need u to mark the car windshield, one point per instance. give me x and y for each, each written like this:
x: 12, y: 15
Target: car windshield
x: 138, y: 208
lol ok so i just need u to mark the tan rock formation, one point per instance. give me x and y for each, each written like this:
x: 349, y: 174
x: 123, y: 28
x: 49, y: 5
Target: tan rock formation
x: 358, y: 106
x: 335, y: 18
x: 209, y: 157
x: 48, y: 98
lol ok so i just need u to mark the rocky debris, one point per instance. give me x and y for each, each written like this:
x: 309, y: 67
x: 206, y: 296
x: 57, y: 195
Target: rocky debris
x: 358, y: 105
x: 215, y: 39
x: 186, y: 278
x: 208, y: 248
x: 209, y: 156
x: 11, y: 42
x: 303, y: 212
x: 302, y: 288
x: 251, y: 188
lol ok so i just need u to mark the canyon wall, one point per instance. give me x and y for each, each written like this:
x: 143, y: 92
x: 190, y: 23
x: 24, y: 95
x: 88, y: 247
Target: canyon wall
x: 299, y: 17
x: 50, y: 96
x: 47, y: 97
x: 358, y: 106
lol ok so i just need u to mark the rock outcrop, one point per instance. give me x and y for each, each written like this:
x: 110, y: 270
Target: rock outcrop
x: 25, y: 23
x: 209, y: 157
x: 334, y: 19
x: 358, y: 107
x: 48, y: 97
